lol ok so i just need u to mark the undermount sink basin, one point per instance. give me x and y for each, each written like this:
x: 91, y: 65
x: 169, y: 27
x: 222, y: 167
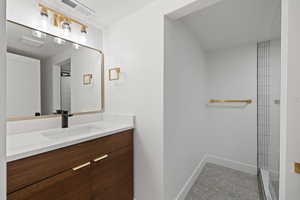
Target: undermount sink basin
x: 69, y: 132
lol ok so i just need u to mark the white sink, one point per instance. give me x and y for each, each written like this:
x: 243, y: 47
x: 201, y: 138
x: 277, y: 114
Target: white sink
x: 33, y: 141
x: 70, y: 132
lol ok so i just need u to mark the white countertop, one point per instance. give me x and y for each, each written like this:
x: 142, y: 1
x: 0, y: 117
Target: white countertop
x: 24, y: 145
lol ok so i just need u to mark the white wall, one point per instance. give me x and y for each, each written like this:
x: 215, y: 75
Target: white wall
x: 290, y: 101
x: 185, y: 110
x: 232, y: 132
x: 28, y: 13
x: 195, y: 129
x: 136, y: 44
x: 128, y: 44
x: 23, y: 86
x: 2, y: 101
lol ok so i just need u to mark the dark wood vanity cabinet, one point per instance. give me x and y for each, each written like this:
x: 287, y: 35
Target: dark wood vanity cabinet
x: 66, y: 185
x: 100, y: 169
x: 112, y: 180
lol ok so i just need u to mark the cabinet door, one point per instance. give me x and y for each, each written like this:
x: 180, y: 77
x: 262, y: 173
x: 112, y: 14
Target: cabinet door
x: 112, y: 176
x: 31, y: 170
x: 73, y: 184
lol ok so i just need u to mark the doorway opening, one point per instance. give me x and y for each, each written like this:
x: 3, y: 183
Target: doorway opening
x: 222, y: 97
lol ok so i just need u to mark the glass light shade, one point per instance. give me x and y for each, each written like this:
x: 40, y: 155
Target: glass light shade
x: 66, y: 27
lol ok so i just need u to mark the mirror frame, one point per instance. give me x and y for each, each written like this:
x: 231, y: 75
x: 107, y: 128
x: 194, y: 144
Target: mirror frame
x: 74, y: 114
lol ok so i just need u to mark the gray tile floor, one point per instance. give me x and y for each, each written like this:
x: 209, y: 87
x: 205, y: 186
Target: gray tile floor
x: 220, y: 183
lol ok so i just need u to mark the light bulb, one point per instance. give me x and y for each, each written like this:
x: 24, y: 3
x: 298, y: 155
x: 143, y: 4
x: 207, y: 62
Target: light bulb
x: 44, y: 16
x: 66, y: 32
x: 44, y: 22
x: 66, y: 27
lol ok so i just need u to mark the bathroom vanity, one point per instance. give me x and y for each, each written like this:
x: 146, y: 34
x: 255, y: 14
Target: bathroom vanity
x: 49, y: 80
x: 98, y: 166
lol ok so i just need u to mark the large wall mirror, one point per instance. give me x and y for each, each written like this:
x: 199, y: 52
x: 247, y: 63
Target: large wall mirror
x: 46, y: 74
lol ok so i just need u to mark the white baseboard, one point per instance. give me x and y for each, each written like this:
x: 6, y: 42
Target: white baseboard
x: 190, y: 182
x: 251, y: 169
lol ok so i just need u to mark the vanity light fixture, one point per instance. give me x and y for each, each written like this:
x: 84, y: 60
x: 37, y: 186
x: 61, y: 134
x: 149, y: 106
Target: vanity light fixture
x: 62, y: 21
x: 39, y: 34
x: 44, y: 15
x: 59, y: 41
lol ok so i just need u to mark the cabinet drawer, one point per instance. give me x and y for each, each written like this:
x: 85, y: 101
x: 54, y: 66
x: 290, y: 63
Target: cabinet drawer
x: 119, y: 191
x: 114, y: 173
x: 69, y: 185
x: 28, y: 171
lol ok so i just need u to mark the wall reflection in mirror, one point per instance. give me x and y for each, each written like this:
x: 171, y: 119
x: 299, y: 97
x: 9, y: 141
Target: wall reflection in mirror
x: 46, y: 75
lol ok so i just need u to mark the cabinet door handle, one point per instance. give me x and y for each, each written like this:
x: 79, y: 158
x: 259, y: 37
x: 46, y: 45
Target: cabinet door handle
x: 81, y: 166
x: 101, y: 158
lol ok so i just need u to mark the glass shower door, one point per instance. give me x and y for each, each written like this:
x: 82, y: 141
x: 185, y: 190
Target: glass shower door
x: 275, y: 86
x: 268, y: 116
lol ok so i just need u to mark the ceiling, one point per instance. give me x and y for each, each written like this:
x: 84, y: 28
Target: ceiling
x: 110, y: 11
x: 106, y: 12
x: 235, y: 22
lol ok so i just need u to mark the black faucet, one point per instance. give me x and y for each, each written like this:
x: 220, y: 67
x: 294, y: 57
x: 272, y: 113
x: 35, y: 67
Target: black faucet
x: 65, y: 118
